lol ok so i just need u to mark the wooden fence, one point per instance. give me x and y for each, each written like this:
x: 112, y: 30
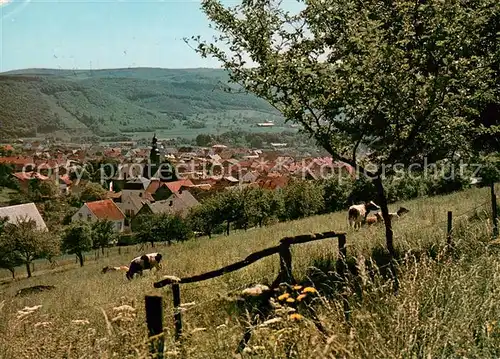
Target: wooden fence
x: 154, y: 303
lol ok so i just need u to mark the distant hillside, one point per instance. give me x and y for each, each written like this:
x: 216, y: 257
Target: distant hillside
x: 109, y: 102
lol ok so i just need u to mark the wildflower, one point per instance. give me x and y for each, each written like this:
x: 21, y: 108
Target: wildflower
x: 42, y: 324
x: 490, y: 327
x: 284, y: 296
x: 256, y: 290
x: 290, y: 300
x: 296, y: 316
x: 80, y: 321
x: 270, y: 321
x: 301, y: 296
x: 297, y: 287
x: 309, y: 290
x: 124, y: 308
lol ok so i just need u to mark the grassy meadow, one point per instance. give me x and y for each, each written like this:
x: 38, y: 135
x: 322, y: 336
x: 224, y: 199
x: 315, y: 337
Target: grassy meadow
x: 445, y: 308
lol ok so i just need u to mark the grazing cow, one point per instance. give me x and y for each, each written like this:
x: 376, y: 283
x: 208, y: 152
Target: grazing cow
x: 377, y: 218
x: 114, y: 269
x: 359, y: 212
x: 146, y: 261
x: 400, y: 212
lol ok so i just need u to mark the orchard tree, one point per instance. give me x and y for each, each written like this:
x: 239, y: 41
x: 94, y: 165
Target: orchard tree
x: 103, y: 234
x: 28, y: 242
x: 9, y: 258
x: 396, y: 78
x: 77, y: 239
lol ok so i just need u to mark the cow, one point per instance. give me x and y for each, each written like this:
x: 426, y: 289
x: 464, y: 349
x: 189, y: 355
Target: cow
x: 399, y: 213
x: 377, y: 218
x: 114, y: 269
x: 358, y: 213
x: 146, y: 261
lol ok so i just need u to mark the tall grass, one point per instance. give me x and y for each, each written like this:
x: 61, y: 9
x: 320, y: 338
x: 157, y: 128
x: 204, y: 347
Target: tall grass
x: 445, y: 308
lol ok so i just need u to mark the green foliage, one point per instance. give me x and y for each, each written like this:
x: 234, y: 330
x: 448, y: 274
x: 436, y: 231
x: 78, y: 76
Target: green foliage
x: 302, y: 199
x: 392, y: 80
x: 108, y: 102
x: 92, y: 192
x: 28, y: 242
x: 42, y: 190
x: 161, y: 227
x: 103, y: 234
x: 6, y: 179
x: 77, y: 239
x: 9, y: 258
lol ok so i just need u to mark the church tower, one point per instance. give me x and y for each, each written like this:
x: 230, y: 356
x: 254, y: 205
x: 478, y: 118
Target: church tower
x: 158, y: 168
x: 154, y: 155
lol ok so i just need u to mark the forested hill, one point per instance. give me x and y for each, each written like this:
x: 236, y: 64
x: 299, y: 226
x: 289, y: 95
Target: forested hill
x: 108, y: 102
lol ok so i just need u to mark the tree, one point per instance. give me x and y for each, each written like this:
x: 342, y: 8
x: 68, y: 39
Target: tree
x: 92, y: 192
x: 302, y: 199
x: 393, y: 77
x: 28, y: 242
x: 103, y: 234
x: 9, y: 258
x: 205, y: 217
x: 162, y: 227
x: 42, y: 190
x: 77, y: 239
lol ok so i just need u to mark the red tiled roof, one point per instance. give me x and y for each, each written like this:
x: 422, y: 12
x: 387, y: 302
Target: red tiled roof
x: 153, y: 186
x: 17, y: 160
x: 175, y: 186
x: 26, y: 176
x: 106, y: 209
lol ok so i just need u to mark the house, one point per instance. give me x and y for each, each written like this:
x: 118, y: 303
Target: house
x: 178, y: 203
x: 19, y: 212
x: 100, y: 210
x: 165, y: 190
x: 131, y: 204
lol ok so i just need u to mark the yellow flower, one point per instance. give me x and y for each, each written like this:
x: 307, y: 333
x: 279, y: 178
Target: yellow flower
x: 301, y: 296
x: 290, y: 300
x: 284, y: 296
x: 296, y: 316
x: 297, y: 287
x: 490, y: 327
x: 309, y: 290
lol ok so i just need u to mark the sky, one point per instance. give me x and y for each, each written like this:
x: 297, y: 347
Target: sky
x: 70, y: 34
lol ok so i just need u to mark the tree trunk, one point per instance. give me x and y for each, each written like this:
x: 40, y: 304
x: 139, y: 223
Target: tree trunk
x: 102, y: 250
x: 13, y: 272
x: 382, y: 199
x: 80, y: 258
x: 28, y: 269
x: 389, y: 236
x: 227, y: 228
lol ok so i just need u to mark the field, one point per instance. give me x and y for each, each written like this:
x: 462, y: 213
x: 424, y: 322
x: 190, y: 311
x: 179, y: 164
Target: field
x: 444, y: 308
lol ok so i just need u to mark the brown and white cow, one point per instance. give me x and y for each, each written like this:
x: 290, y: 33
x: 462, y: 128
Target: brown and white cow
x: 357, y: 213
x: 146, y: 261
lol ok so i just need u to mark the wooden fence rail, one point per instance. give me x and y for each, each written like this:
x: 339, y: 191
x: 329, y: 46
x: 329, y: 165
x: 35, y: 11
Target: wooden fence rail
x: 285, y: 274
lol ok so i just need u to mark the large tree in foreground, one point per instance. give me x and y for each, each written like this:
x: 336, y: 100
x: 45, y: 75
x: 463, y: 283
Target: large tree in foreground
x: 396, y: 77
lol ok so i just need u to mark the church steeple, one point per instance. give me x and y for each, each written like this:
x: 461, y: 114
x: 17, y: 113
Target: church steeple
x: 154, y: 155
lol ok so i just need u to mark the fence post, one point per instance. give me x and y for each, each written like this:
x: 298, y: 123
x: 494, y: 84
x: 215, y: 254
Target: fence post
x: 286, y: 263
x: 494, y: 210
x: 176, y: 293
x: 449, y: 229
x: 154, y: 318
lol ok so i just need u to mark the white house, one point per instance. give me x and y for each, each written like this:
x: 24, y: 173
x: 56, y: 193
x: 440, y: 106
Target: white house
x: 99, y: 210
x: 21, y: 212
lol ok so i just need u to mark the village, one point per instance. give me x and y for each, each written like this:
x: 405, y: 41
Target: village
x: 156, y: 179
